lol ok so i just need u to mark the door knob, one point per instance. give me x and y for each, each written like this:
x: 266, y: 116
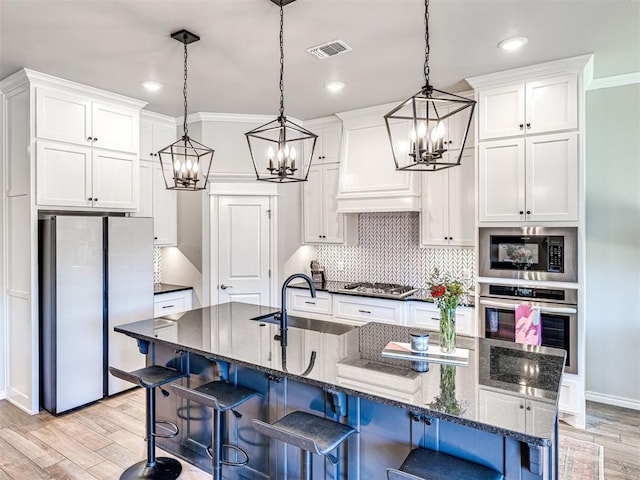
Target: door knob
x: 224, y: 287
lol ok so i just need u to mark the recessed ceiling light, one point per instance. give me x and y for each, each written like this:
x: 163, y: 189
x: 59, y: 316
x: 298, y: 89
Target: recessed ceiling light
x: 514, y: 43
x: 334, y: 86
x: 151, y: 85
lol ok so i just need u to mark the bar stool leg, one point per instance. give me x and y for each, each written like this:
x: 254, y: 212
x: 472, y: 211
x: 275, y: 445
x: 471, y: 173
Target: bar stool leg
x: 216, y: 448
x: 306, y: 465
x: 151, y: 427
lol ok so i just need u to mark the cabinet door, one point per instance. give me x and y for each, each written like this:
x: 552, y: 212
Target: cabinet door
x: 165, y: 211
x: 146, y: 140
x: 552, y: 177
x: 163, y: 136
x: 115, y: 180
x: 501, y: 112
x: 146, y: 191
x: 330, y: 143
x: 333, y: 221
x: 455, y: 128
x: 434, y: 215
x: 115, y: 128
x: 63, y: 117
x: 552, y: 104
x: 63, y: 175
x: 313, y: 207
x: 539, y: 416
x: 502, y: 410
x: 462, y: 201
x: 501, y: 181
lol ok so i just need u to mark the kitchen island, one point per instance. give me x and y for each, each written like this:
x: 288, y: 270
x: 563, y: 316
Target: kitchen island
x: 499, y: 410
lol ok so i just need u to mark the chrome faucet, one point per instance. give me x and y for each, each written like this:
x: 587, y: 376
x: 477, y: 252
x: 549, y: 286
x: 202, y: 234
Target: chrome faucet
x: 283, y: 303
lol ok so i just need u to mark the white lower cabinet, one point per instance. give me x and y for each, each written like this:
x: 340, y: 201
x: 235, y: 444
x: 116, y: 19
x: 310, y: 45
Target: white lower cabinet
x: 426, y: 315
x: 172, y: 302
x: 362, y: 310
x: 300, y: 302
x: 515, y: 412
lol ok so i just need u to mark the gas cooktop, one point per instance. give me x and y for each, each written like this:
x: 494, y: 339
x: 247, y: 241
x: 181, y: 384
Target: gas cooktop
x: 382, y: 290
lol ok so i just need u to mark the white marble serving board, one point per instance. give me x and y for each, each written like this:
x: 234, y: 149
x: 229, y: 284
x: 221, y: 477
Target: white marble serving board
x: 459, y: 357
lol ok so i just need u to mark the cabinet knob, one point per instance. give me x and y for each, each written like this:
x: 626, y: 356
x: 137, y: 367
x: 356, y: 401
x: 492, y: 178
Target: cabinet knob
x: 95, y: 199
x: 90, y: 199
x: 528, y: 212
x: 528, y: 125
x: 155, y: 238
x: 521, y: 126
x: 521, y: 212
x: 89, y: 139
x: 95, y: 139
x: 529, y: 407
x: 521, y: 406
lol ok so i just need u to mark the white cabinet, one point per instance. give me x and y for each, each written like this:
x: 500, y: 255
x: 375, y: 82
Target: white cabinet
x: 369, y: 181
x: 69, y: 175
x: 537, y: 106
x: 157, y: 132
x: 529, y: 179
x: 77, y: 119
x: 321, y: 220
x: 448, y: 205
x: 300, y: 302
x: 426, y: 315
x: 172, y: 302
x: 328, y: 143
x: 359, y: 310
x: 517, y: 413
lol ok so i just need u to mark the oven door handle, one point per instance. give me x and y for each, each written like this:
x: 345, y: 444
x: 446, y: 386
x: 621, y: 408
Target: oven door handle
x: 567, y: 310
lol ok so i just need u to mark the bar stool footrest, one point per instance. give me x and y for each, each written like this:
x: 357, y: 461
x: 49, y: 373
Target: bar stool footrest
x: 228, y: 462
x: 173, y: 426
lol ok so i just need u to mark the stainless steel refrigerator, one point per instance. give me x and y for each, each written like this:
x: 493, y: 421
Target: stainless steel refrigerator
x: 95, y: 272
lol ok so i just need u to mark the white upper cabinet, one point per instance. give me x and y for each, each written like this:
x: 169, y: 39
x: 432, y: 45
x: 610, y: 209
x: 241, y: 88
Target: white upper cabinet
x: 322, y: 223
x: 533, y: 179
x: 328, y: 143
x: 115, y: 180
x: 77, y: 119
x: 448, y: 205
x: 156, y: 133
x: 538, y: 106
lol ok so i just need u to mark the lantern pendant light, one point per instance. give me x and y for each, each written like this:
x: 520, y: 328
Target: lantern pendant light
x: 428, y: 131
x: 186, y: 163
x: 280, y: 144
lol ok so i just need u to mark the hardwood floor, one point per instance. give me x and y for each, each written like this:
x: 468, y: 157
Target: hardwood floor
x: 100, y: 441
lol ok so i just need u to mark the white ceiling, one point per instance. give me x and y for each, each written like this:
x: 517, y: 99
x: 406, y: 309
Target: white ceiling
x: 116, y: 44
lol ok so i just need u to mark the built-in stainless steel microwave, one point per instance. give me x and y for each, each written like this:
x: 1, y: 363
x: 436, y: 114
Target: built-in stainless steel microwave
x: 529, y: 253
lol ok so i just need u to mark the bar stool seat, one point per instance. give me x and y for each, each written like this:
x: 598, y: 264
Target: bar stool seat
x: 220, y: 396
x: 160, y: 468
x: 424, y: 464
x: 310, y: 433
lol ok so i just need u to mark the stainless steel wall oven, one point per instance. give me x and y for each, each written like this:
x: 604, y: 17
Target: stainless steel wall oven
x: 529, y: 253
x: 558, y: 315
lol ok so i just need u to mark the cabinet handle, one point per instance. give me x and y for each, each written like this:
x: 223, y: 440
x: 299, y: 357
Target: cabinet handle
x: 89, y: 139
x: 95, y: 139
x: 364, y: 311
x: 310, y: 303
x: 521, y: 212
x: 155, y: 238
x: 521, y: 126
x: 90, y: 199
x: 528, y: 125
x: 168, y: 306
x: 529, y: 407
x: 521, y: 406
x: 95, y: 199
x: 437, y: 319
x: 528, y: 212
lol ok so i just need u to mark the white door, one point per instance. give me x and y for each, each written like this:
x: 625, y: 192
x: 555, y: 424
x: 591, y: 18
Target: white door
x: 333, y: 221
x: 165, y: 210
x: 462, y: 201
x: 313, y: 211
x: 501, y: 111
x: 115, y: 128
x: 116, y: 178
x: 331, y: 139
x: 552, y: 104
x: 244, y: 249
x: 63, y: 117
x: 434, y: 217
x: 145, y: 207
x: 552, y: 177
x: 501, y: 181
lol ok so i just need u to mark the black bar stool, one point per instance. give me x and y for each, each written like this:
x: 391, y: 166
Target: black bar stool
x: 424, y: 464
x: 310, y: 433
x: 220, y: 396
x: 161, y: 468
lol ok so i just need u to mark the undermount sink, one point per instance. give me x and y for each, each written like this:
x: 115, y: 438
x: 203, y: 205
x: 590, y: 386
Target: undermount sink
x: 306, y: 323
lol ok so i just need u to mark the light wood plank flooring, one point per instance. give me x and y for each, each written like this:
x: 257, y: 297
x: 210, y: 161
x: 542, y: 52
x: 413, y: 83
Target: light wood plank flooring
x: 100, y: 441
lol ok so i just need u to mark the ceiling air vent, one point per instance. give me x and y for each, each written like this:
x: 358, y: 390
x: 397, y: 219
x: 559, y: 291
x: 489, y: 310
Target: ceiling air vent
x: 329, y: 49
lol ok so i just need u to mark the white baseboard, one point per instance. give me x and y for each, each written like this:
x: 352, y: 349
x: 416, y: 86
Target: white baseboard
x: 3, y: 394
x: 613, y: 400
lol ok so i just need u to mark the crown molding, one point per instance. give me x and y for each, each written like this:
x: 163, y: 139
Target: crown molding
x: 149, y: 115
x: 614, y: 81
x: 230, y: 117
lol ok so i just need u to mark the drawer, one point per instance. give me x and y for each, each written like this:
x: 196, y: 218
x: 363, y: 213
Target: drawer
x: 301, y: 300
x: 426, y: 315
x: 172, y: 302
x: 368, y: 310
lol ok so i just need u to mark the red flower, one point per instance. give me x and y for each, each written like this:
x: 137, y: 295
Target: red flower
x: 438, y: 291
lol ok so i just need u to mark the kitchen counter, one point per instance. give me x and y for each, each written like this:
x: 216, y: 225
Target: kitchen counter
x: 348, y: 359
x: 159, y: 288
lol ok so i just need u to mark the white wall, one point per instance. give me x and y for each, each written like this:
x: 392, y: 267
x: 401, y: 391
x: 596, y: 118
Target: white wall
x: 2, y: 267
x: 613, y: 245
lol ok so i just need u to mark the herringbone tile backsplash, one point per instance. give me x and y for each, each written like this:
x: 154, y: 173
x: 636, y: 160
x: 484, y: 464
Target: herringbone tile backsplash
x: 388, y: 252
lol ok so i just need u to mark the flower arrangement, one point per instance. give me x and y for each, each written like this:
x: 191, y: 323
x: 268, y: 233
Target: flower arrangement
x: 446, y: 293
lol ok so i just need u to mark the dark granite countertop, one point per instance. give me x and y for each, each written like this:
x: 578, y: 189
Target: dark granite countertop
x: 333, y: 286
x: 349, y: 359
x: 168, y: 288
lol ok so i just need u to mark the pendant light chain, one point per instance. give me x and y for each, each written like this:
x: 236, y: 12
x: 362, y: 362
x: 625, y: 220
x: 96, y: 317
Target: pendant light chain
x: 281, y: 60
x: 184, y: 92
x: 426, y: 44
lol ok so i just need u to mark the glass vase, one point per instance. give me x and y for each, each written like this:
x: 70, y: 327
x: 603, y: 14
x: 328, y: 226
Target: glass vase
x: 448, y: 329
